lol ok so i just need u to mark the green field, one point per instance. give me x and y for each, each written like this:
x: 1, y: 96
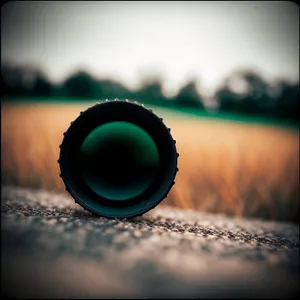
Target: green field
x: 167, y: 111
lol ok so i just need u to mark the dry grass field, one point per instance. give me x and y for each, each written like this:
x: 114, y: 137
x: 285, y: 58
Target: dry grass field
x: 237, y: 169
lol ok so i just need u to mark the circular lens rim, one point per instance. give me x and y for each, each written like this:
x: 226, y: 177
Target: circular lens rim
x: 115, y: 111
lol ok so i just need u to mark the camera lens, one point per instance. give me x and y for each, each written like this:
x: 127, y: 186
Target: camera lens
x: 118, y: 159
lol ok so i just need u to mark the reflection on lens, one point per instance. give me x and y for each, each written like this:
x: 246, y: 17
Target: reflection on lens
x: 119, y: 160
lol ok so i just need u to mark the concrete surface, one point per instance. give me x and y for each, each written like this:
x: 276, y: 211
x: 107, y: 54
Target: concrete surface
x: 51, y: 247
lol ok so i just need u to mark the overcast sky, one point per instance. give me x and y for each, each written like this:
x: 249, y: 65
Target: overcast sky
x: 177, y: 40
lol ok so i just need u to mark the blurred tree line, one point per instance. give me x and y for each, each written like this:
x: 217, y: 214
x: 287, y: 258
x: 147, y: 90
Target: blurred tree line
x: 244, y: 92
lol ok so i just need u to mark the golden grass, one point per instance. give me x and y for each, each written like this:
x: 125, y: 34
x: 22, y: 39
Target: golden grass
x: 232, y: 168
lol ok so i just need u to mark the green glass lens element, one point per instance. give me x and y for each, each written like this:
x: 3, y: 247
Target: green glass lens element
x: 119, y: 160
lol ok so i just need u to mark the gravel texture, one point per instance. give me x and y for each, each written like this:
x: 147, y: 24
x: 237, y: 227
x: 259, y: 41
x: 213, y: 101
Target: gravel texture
x: 52, y: 248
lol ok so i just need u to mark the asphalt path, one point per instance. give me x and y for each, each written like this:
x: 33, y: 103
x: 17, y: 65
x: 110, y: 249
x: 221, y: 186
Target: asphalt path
x: 52, y: 248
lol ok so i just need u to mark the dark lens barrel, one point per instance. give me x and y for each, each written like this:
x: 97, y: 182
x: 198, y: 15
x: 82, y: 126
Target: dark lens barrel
x: 118, y: 159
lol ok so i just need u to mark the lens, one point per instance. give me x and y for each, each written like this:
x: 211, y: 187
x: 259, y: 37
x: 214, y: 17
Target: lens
x: 119, y: 160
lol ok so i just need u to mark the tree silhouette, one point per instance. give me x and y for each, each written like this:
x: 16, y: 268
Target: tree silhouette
x: 228, y: 101
x: 151, y: 92
x: 243, y: 92
x: 188, y: 96
x: 11, y: 81
x: 42, y: 86
x: 287, y: 103
x: 254, y: 99
x: 80, y: 84
x: 26, y: 81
